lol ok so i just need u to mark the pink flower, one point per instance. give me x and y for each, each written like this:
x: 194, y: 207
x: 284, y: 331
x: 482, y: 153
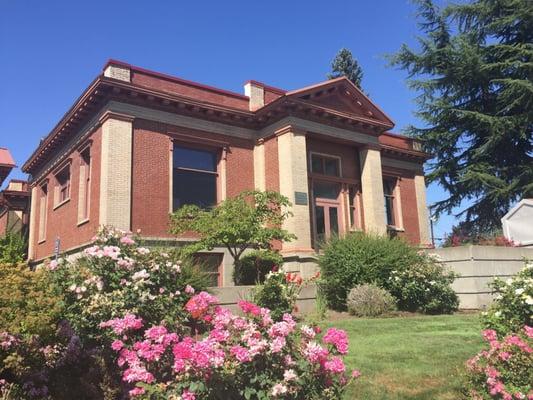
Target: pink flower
x: 53, y: 265
x: 117, y: 345
x: 187, y: 395
x: 127, y: 240
x: 529, y: 331
x: 289, y: 375
x: 314, y: 352
x: 504, y: 355
x: 279, y: 389
x: 490, y: 335
x: 189, y: 289
x: 337, y: 338
x: 249, y: 308
x: 356, y: 374
x: 198, y: 305
x: 120, y: 325
x: 136, y: 392
x: 241, y: 354
x: 335, y: 366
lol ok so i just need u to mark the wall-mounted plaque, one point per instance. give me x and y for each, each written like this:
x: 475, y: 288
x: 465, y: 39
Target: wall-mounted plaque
x: 300, y: 198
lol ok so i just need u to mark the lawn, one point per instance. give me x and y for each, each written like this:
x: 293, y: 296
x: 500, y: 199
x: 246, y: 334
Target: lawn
x: 415, y: 358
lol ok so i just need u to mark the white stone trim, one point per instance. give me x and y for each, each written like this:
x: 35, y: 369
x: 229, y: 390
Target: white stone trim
x: 423, y: 214
x: 33, y: 214
x: 118, y: 72
x: 116, y: 170
x: 372, y: 191
x: 259, y: 166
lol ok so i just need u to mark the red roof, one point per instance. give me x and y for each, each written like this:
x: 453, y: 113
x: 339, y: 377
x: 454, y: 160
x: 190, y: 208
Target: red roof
x: 6, y: 160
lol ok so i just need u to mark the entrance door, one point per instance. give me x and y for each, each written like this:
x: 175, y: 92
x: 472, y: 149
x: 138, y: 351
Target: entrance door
x: 327, y: 209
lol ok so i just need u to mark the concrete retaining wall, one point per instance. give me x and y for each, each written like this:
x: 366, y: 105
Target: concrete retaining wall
x: 478, y: 266
x: 229, y: 296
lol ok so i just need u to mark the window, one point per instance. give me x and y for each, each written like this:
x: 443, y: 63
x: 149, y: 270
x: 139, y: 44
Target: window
x: 62, y: 189
x: 43, y: 208
x: 354, y: 213
x: 85, y: 185
x: 388, y: 190
x: 325, y: 165
x: 210, y: 264
x: 194, y: 177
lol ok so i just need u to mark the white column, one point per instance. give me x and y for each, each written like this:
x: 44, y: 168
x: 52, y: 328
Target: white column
x: 33, y: 226
x: 116, y: 169
x: 423, y: 215
x: 292, y: 155
x: 259, y: 166
x: 372, y: 191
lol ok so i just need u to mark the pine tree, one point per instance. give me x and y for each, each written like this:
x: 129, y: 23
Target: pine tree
x: 345, y: 65
x: 473, y: 73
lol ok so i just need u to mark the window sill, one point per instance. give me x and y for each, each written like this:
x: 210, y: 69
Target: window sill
x: 60, y: 204
x: 395, y: 228
x: 83, y: 222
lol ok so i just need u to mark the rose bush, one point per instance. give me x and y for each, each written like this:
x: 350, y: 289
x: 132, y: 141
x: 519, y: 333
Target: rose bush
x: 513, y: 303
x: 280, y: 292
x: 230, y: 357
x: 112, y: 278
x: 505, y: 369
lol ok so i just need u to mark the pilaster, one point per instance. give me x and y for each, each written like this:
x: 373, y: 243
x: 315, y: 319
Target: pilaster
x: 292, y: 155
x: 116, y: 168
x: 372, y: 190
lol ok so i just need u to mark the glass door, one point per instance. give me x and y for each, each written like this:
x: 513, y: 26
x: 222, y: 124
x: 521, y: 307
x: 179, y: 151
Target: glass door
x: 327, y: 218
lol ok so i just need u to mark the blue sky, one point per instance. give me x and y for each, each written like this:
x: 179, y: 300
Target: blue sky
x: 50, y: 51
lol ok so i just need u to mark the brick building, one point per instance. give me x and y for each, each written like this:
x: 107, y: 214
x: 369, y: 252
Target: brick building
x: 14, y: 199
x: 138, y: 144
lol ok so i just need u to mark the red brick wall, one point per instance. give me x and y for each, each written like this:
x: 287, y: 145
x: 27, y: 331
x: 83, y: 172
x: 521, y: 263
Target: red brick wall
x: 150, y: 178
x: 63, y: 221
x: 409, y: 210
x: 151, y: 174
x: 181, y: 87
x: 3, y: 223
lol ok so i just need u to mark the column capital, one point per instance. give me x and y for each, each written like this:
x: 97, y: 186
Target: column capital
x: 114, y: 115
x: 290, y: 129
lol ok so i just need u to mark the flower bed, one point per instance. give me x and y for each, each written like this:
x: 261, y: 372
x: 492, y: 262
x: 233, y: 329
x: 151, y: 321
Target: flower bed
x: 231, y: 357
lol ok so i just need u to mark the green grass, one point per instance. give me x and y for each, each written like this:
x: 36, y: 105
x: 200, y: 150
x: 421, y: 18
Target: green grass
x: 410, y: 358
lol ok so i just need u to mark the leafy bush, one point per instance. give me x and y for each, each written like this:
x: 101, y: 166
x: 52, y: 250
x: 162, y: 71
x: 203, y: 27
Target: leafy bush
x: 358, y: 259
x: 250, y: 357
x: 254, y: 266
x: 112, y: 278
x: 278, y: 293
x: 12, y: 249
x: 513, y: 304
x: 424, y: 287
x: 504, y: 370
x: 28, y: 302
x: 369, y: 301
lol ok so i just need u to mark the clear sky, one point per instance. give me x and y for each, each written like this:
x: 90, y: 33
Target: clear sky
x: 51, y: 50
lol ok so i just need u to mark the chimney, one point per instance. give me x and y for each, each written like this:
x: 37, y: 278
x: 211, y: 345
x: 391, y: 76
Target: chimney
x: 256, y: 92
x: 117, y: 70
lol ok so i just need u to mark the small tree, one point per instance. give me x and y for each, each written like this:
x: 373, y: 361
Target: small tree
x: 253, y: 219
x: 345, y: 65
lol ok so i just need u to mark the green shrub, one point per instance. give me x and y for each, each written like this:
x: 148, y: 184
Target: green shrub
x: 414, y: 278
x: 12, y: 249
x: 513, y: 304
x: 369, y: 301
x: 424, y: 287
x: 357, y: 259
x: 28, y: 303
x: 254, y: 266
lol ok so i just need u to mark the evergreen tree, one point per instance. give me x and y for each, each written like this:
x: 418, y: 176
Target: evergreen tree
x: 345, y: 65
x: 473, y: 71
